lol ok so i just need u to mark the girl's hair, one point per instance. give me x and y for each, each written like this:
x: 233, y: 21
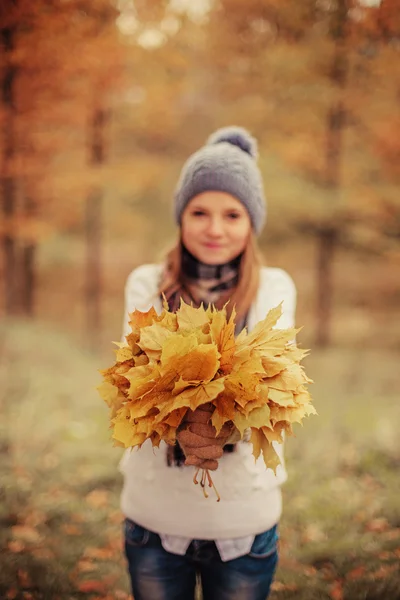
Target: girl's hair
x: 242, y: 296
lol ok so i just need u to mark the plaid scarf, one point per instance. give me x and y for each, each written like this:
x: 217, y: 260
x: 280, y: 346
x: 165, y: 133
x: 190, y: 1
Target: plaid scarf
x: 207, y: 284
x: 210, y: 284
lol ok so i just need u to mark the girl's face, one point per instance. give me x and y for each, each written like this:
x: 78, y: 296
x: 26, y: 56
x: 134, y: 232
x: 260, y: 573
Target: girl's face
x: 215, y: 227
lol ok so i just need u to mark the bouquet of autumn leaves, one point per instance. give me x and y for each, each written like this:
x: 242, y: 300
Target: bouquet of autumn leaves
x: 174, y: 364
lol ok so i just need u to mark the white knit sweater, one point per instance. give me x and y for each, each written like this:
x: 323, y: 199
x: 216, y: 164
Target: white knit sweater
x: 164, y: 499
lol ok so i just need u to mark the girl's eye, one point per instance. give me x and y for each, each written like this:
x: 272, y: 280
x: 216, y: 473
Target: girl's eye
x: 198, y: 213
x: 233, y: 215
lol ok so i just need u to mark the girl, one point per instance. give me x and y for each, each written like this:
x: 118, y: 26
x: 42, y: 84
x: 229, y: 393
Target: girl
x: 173, y: 535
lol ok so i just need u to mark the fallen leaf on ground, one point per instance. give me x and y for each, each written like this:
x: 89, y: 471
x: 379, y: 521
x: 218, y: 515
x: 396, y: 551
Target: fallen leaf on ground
x: 70, y: 529
x: 85, y: 566
x: 356, y: 573
x: 24, y: 578
x: 336, y: 591
x: 16, y: 546
x: 377, y: 525
x: 26, y: 533
x: 98, y: 498
x: 98, y: 553
x: 92, y: 585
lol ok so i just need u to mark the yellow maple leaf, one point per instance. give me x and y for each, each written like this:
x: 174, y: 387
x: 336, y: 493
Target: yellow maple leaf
x: 223, y: 335
x: 123, y: 367
x: 139, y: 319
x: 166, y: 433
x: 117, y: 404
x: 190, y: 360
x: 261, y: 445
x: 259, y: 335
x: 271, y: 458
x: 201, y: 364
x: 302, y: 397
x: 189, y: 317
x: 141, y: 360
x: 168, y: 320
x: 202, y: 334
x: 108, y: 392
x: 195, y: 396
x: 124, y: 432
x: 249, y: 406
x: 152, y: 339
x: 244, y: 386
x: 123, y: 353
x: 273, y: 365
x: 265, y: 339
x: 142, y: 379
x: 120, y: 381
x: 283, y: 398
x: 142, y: 425
x: 224, y: 411
x: 241, y: 338
x: 131, y: 339
x: 274, y: 434
x: 290, y: 379
x: 155, y: 439
x: 247, y: 360
x: 257, y: 418
x: 175, y: 348
x: 108, y: 374
x: 149, y: 402
x: 277, y: 341
x: 290, y: 414
x: 157, y: 395
x: 294, y: 353
x: 259, y: 400
x: 175, y: 417
x: 182, y: 384
x: 112, y: 395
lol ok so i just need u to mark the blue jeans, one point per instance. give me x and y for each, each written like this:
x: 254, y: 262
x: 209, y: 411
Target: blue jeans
x: 160, y: 575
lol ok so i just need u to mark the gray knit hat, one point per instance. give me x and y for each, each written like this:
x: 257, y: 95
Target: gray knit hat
x: 227, y: 163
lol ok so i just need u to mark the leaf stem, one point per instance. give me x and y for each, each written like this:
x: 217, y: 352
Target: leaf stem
x: 212, y: 484
x: 205, y: 477
x: 205, y: 492
x: 210, y: 481
x: 195, y: 476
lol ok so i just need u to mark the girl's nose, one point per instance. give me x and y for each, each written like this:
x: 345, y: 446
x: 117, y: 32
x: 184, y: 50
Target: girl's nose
x: 215, y: 226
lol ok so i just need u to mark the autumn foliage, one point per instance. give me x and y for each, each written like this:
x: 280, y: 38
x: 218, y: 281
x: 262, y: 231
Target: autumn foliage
x: 173, y: 363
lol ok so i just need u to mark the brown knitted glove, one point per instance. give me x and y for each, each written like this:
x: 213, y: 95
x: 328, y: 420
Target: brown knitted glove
x: 199, y: 440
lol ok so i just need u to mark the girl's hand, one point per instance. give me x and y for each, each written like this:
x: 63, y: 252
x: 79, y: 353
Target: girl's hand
x: 199, y: 440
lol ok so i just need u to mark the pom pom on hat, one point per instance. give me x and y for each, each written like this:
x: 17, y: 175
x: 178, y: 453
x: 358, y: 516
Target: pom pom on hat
x: 237, y: 136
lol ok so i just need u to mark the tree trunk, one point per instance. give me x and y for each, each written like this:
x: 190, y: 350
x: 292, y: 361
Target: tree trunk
x: 8, y: 190
x: 28, y: 263
x: 326, y: 252
x: 328, y: 236
x: 7, y: 35
x: 93, y: 266
x: 28, y: 277
x: 93, y: 230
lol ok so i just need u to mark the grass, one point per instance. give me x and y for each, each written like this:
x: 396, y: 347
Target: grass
x: 59, y: 511
x: 341, y: 519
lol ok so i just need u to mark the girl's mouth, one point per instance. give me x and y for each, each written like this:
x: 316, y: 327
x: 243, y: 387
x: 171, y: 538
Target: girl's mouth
x: 213, y: 245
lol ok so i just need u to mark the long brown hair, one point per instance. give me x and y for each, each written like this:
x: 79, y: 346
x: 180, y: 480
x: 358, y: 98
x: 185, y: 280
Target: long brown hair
x: 241, y: 297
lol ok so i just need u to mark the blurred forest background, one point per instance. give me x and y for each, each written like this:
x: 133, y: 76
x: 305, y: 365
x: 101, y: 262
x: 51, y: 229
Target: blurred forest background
x: 101, y: 102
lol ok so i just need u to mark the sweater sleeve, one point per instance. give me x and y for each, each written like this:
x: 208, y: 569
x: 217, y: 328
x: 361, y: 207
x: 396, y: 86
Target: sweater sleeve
x: 141, y: 292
